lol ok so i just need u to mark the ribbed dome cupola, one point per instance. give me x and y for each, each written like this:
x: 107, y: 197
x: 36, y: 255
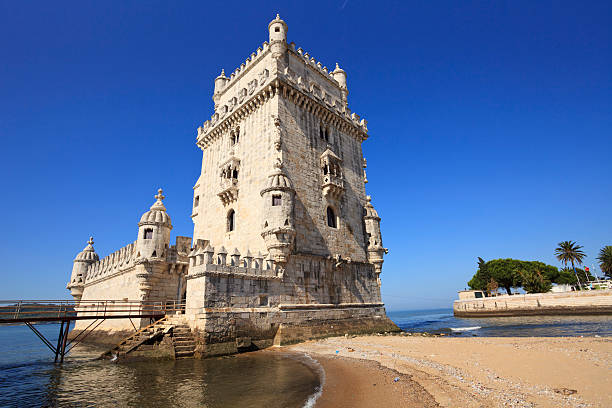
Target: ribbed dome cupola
x: 157, y: 215
x: 88, y: 254
x: 277, y: 181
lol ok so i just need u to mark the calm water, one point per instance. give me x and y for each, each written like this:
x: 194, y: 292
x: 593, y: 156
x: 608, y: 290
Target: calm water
x: 28, y: 378
x: 443, y: 321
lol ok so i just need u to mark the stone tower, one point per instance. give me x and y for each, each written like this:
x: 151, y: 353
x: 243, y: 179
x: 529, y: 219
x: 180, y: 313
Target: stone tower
x: 283, y: 177
x: 283, y: 116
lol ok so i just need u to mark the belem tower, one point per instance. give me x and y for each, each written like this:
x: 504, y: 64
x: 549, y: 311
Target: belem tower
x: 286, y: 244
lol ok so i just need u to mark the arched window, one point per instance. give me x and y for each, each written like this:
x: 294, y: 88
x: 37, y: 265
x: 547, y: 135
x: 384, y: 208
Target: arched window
x: 331, y: 218
x: 148, y: 233
x: 231, y: 220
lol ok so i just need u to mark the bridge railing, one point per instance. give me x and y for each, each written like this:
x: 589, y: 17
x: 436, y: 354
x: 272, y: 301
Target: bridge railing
x: 15, y: 311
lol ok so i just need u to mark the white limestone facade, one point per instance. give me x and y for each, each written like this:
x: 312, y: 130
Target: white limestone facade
x: 147, y: 270
x: 286, y: 243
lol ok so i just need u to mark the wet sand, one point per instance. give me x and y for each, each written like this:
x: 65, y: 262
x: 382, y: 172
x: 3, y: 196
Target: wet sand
x: 352, y: 383
x: 463, y: 372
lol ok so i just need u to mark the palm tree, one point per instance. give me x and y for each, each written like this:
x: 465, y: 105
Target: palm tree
x: 605, y: 260
x: 568, y: 251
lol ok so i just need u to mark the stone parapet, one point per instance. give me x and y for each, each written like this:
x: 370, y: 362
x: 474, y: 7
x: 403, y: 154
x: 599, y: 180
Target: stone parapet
x: 120, y: 260
x: 570, y: 303
x: 236, y: 272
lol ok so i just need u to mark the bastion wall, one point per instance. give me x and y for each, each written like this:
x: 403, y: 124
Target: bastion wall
x: 580, y: 302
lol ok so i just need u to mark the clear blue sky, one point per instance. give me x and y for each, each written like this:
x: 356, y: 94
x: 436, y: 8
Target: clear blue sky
x: 490, y: 124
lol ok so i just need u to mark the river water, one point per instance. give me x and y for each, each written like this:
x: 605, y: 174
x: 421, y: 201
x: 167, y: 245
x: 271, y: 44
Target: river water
x: 443, y: 321
x: 29, y: 378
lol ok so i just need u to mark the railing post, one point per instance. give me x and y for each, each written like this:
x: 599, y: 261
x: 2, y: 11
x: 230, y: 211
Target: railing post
x: 17, y: 309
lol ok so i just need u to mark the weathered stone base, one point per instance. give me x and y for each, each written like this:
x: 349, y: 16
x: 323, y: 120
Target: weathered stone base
x: 295, y: 333
x: 101, y: 337
x: 231, y: 330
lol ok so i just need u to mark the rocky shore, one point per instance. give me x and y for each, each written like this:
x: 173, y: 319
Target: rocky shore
x: 426, y: 371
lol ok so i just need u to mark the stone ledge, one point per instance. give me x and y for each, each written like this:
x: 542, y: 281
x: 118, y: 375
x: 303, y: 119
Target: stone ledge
x: 308, y: 306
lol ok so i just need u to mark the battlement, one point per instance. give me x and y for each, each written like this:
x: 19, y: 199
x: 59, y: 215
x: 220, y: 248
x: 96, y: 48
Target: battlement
x: 118, y: 261
x: 204, y: 259
x: 259, y: 78
x: 314, y: 64
x: 236, y: 74
x: 224, y: 118
x: 126, y: 257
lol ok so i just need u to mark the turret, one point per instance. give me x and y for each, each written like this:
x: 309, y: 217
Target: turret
x: 80, y: 265
x: 278, y: 226
x: 154, y: 231
x: 340, y: 77
x: 220, y: 82
x: 374, y: 238
x: 278, y: 36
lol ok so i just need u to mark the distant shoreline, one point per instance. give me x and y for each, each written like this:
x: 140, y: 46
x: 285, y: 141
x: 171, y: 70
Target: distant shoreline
x: 596, y: 302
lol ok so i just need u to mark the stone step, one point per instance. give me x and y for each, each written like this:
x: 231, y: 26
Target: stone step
x: 184, y: 353
x: 184, y: 341
x: 180, y: 349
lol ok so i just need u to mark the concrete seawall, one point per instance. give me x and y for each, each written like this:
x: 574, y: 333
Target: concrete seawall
x: 569, y: 303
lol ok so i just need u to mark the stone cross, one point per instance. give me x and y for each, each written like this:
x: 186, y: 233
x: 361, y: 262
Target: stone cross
x: 159, y: 195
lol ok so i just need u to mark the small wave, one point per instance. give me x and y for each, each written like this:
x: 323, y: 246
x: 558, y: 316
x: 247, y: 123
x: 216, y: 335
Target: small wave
x: 318, y: 368
x: 462, y: 329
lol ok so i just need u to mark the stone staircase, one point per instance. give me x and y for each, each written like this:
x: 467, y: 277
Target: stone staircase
x: 173, y: 326
x: 131, y: 343
x: 182, y: 338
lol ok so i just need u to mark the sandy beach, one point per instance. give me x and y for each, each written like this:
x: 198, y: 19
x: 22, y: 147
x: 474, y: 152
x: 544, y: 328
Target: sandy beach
x: 418, y: 371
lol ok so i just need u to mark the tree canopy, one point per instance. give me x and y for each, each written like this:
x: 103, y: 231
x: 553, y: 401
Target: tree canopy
x: 605, y: 260
x: 513, y: 273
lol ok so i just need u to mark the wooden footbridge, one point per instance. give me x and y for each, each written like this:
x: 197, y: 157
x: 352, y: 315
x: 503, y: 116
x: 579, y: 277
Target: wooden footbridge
x: 30, y: 312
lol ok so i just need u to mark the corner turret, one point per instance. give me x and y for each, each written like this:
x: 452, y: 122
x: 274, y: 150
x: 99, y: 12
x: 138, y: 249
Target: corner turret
x: 154, y: 231
x: 220, y: 83
x: 79, y: 269
x: 278, y: 225
x: 278, y: 36
x: 374, y: 237
x: 340, y: 77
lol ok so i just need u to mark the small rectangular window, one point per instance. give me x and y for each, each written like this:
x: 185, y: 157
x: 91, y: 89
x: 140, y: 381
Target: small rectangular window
x: 148, y: 233
x: 276, y: 200
x: 263, y: 300
x: 196, y: 201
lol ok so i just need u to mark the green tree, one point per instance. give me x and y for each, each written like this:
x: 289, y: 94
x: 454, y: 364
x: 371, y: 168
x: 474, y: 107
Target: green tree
x: 508, y: 273
x: 534, y: 281
x: 481, y: 278
x: 569, y: 252
x: 566, y: 277
x: 605, y: 260
x: 580, y: 273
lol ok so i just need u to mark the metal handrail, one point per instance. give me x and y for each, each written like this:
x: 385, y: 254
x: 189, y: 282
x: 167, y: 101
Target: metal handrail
x: 12, y: 310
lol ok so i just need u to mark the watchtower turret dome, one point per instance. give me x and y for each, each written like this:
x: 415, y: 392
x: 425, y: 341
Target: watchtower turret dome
x: 157, y: 215
x: 277, y: 29
x: 277, y: 181
x: 88, y: 254
x: 370, y: 212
